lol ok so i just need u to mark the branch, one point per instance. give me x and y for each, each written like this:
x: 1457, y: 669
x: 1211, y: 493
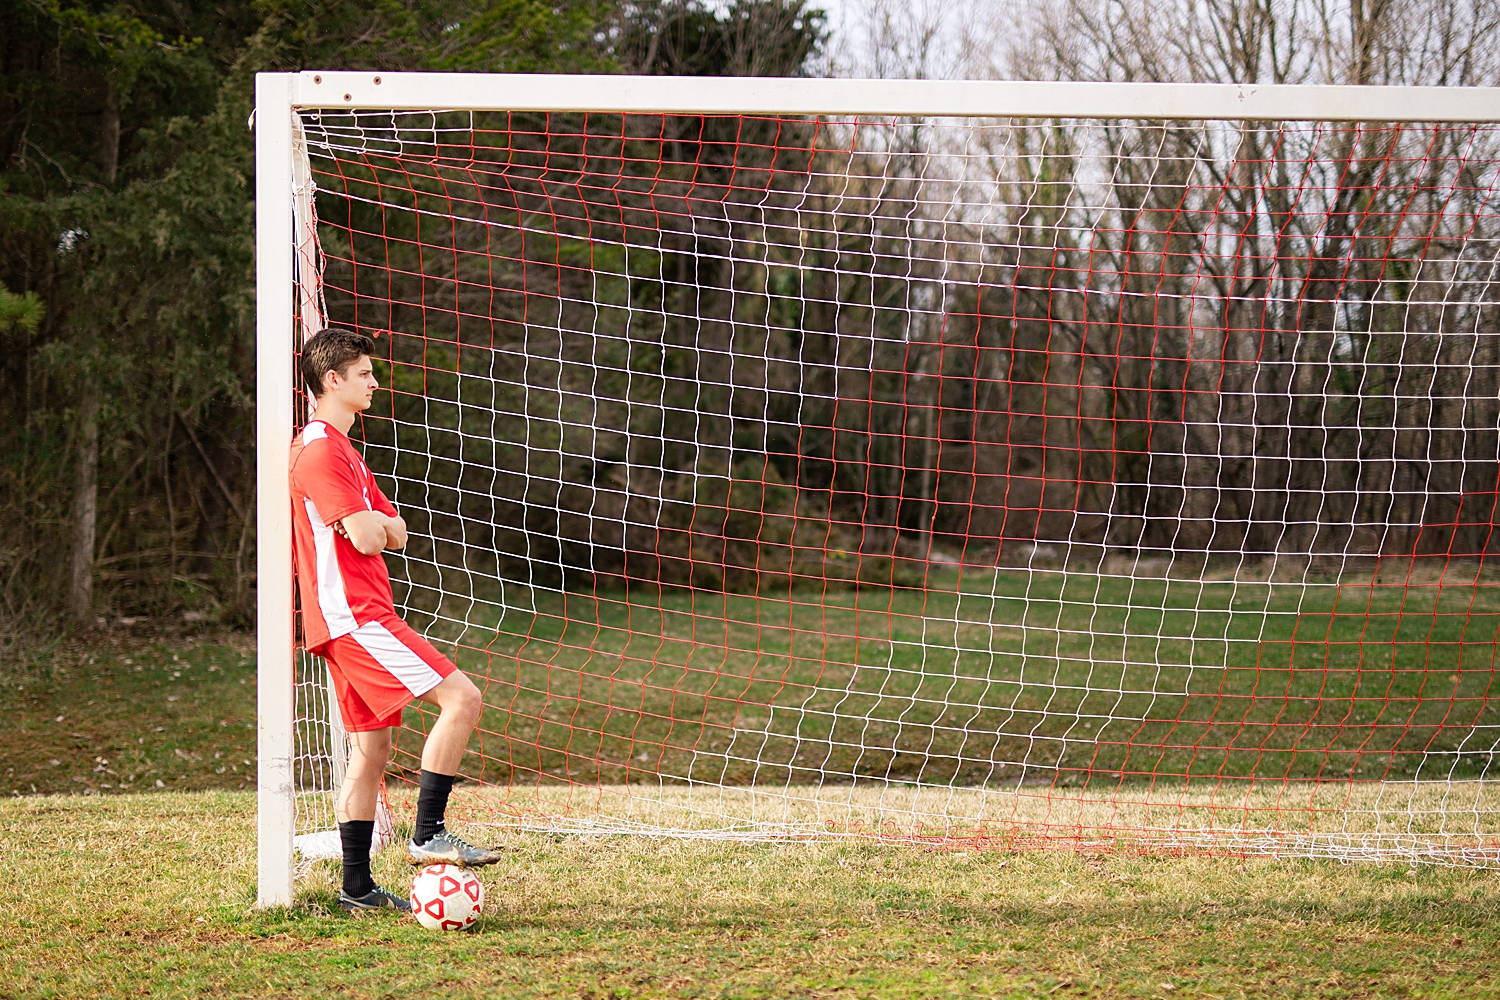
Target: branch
x: 212, y: 469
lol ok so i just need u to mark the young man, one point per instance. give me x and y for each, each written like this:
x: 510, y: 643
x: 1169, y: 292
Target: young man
x: 341, y: 525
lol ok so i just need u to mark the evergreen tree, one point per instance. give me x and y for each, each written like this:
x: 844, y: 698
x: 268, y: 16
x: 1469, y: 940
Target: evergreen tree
x: 126, y: 205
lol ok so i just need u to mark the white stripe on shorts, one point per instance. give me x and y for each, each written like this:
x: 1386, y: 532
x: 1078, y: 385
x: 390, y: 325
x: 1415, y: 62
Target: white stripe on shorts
x: 393, y: 654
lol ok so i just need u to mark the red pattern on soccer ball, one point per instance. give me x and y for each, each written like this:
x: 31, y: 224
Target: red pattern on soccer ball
x: 445, y: 897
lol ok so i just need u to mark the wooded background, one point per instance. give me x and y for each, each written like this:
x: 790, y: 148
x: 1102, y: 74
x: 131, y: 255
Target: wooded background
x: 126, y: 225
x: 126, y: 258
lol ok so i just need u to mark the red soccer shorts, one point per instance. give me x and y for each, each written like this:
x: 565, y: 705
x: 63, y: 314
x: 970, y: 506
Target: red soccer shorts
x: 378, y: 669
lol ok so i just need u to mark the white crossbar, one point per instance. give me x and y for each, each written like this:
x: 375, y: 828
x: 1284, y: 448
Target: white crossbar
x: 926, y: 98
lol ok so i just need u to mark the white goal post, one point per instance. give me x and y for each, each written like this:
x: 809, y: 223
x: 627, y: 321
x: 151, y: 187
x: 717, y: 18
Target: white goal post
x: 289, y: 307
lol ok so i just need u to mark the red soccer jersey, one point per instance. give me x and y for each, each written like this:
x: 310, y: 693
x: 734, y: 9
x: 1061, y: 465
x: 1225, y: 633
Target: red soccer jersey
x: 341, y: 588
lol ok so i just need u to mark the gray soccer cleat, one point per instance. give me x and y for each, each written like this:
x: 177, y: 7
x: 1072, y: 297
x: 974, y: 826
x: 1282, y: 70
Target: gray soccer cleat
x: 376, y: 899
x: 449, y: 849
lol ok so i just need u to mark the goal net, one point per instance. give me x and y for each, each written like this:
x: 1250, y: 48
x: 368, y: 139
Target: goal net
x: 1010, y: 480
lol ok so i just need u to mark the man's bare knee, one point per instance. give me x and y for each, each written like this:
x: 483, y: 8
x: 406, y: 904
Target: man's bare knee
x: 373, y: 745
x: 467, y: 703
x: 368, y: 754
x: 457, y: 698
x: 375, y: 741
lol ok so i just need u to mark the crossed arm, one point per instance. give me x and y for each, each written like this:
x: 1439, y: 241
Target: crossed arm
x: 372, y: 532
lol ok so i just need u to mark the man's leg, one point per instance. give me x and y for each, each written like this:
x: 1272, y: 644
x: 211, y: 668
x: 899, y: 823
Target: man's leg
x: 459, y: 704
x: 368, y: 753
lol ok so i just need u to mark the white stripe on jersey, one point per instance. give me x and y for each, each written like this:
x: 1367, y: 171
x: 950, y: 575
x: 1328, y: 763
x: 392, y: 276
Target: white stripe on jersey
x: 331, y: 599
x: 393, y: 654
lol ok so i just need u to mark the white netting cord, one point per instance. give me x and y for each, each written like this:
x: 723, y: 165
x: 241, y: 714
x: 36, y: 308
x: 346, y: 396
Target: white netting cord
x: 314, y: 761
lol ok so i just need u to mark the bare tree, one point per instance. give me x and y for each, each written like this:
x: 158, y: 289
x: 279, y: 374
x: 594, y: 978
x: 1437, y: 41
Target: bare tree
x: 85, y: 510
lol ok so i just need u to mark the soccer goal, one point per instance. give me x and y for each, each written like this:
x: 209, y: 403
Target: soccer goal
x: 1111, y: 467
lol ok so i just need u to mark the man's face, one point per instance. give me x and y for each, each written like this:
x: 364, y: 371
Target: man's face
x: 355, y: 388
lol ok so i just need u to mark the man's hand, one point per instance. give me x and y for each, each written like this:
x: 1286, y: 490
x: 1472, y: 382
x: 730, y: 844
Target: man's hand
x: 372, y: 532
x: 395, y: 532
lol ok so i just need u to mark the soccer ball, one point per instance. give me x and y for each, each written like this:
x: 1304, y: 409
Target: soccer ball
x: 446, y: 897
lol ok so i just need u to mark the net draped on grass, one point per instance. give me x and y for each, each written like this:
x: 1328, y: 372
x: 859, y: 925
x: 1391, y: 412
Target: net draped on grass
x: 962, y: 479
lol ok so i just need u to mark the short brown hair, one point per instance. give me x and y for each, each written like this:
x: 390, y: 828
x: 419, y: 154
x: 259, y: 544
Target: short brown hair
x: 332, y: 350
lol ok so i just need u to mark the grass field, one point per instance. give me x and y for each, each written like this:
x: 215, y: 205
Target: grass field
x: 149, y: 895
x: 129, y: 713
x: 149, y: 892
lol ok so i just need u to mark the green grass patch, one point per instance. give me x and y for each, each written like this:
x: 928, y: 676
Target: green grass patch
x: 988, y: 677
x: 150, y: 895
x: 132, y: 713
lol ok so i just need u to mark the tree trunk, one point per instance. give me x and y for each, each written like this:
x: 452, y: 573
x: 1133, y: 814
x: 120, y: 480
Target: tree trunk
x: 109, y: 136
x: 932, y: 427
x: 85, y: 510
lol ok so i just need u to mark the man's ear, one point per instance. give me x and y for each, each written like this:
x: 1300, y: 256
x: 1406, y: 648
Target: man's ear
x: 327, y: 387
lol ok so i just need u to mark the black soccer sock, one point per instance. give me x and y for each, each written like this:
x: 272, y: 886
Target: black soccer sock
x: 356, y: 834
x: 432, y: 802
